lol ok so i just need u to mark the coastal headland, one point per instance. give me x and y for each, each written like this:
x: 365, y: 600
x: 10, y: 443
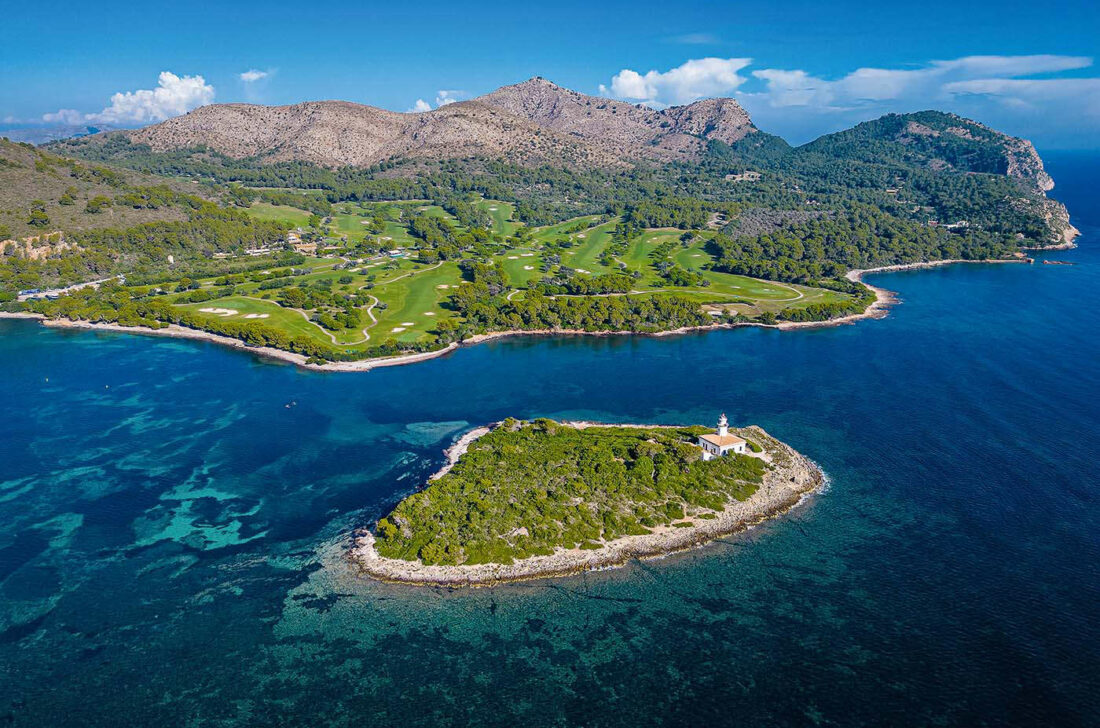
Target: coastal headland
x: 769, y: 483
x: 878, y: 308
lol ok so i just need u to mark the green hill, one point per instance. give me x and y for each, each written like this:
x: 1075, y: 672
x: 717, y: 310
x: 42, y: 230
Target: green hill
x: 68, y: 195
x: 936, y: 141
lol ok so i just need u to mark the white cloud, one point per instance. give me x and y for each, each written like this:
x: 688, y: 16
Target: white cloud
x: 64, y: 116
x: 691, y: 81
x: 448, y: 96
x: 1035, y: 96
x: 999, y: 90
x: 443, y: 97
x: 931, y: 83
x: 1026, y: 95
x: 252, y: 75
x: 172, y: 96
x: 1015, y: 65
x: 694, y: 39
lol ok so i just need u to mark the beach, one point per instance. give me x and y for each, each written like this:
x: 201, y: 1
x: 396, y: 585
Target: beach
x: 791, y: 479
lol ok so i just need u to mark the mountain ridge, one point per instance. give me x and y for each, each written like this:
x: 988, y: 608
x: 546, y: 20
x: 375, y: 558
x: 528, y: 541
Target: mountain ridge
x: 538, y: 124
x: 533, y: 122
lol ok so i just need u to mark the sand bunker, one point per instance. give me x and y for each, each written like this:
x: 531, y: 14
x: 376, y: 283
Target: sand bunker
x: 513, y: 257
x: 442, y: 285
x: 429, y: 313
x: 397, y: 329
x: 407, y: 323
x: 257, y: 315
x: 220, y: 311
x: 580, y: 235
x: 527, y: 255
x: 528, y: 267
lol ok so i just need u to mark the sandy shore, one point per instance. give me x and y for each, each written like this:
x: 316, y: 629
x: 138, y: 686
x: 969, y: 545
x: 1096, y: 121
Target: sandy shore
x: 182, y: 332
x: 785, y: 485
x: 878, y: 309
x: 454, y: 452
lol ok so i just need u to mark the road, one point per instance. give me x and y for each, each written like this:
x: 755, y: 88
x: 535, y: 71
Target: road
x: 62, y: 291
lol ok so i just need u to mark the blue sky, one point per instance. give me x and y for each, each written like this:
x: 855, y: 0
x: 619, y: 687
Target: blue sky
x: 1024, y: 67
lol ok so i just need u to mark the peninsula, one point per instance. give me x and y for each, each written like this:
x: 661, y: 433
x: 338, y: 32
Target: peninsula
x: 533, y: 209
x: 525, y: 500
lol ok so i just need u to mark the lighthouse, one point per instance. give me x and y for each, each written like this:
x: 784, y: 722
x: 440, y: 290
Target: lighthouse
x: 721, y: 442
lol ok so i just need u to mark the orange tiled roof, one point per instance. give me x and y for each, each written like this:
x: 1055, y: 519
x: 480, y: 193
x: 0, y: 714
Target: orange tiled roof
x: 721, y: 441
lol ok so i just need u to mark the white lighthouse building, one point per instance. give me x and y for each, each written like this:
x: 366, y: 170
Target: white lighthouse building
x: 721, y: 442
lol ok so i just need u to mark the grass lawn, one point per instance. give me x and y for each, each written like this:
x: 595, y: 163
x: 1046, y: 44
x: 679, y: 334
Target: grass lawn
x: 514, y: 263
x: 550, y: 233
x: 415, y: 294
x: 409, y: 296
x: 585, y: 253
x: 637, y: 256
x: 501, y: 214
x: 350, y: 225
x: 291, y: 216
x: 286, y: 319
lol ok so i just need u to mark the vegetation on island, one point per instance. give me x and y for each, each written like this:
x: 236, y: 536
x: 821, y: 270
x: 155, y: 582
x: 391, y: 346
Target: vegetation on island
x: 526, y: 489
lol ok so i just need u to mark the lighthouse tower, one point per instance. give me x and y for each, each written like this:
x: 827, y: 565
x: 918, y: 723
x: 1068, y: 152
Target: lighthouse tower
x: 721, y: 442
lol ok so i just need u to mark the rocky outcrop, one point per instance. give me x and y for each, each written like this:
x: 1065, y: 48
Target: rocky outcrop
x: 632, y: 130
x: 1024, y: 163
x: 720, y: 119
x: 37, y: 247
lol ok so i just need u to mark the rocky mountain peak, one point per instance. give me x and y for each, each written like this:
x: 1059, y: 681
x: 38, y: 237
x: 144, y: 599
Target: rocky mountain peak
x: 535, y: 121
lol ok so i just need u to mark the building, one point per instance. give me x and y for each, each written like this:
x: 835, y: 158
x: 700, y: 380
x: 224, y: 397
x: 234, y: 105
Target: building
x: 721, y: 442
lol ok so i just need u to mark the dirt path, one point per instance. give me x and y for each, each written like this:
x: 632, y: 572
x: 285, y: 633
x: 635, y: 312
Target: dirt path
x: 412, y: 272
x: 797, y: 293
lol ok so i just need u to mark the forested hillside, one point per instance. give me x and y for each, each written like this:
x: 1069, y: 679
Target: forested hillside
x: 40, y: 191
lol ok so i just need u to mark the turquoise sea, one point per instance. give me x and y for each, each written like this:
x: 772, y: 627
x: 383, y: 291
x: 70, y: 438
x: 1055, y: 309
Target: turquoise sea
x: 174, y: 518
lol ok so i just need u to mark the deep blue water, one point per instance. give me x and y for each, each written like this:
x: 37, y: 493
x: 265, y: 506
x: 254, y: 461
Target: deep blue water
x: 172, y: 534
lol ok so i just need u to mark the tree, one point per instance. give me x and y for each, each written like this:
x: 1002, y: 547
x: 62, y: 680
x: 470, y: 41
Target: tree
x: 39, y: 219
x: 97, y: 204
x: 447, y: 330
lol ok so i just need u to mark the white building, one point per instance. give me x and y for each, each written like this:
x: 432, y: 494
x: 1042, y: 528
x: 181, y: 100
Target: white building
x: 721, y: 442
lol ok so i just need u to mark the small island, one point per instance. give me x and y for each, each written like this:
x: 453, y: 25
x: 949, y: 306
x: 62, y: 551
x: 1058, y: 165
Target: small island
x: 524, y: 500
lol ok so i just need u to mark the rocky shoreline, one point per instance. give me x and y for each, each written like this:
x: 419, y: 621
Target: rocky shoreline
x: 792, y: 477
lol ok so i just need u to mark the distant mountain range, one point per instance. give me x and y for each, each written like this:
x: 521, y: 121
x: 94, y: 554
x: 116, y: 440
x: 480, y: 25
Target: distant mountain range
x: 532, y: 122
x: 539, y: 122
x: 52, y: 133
